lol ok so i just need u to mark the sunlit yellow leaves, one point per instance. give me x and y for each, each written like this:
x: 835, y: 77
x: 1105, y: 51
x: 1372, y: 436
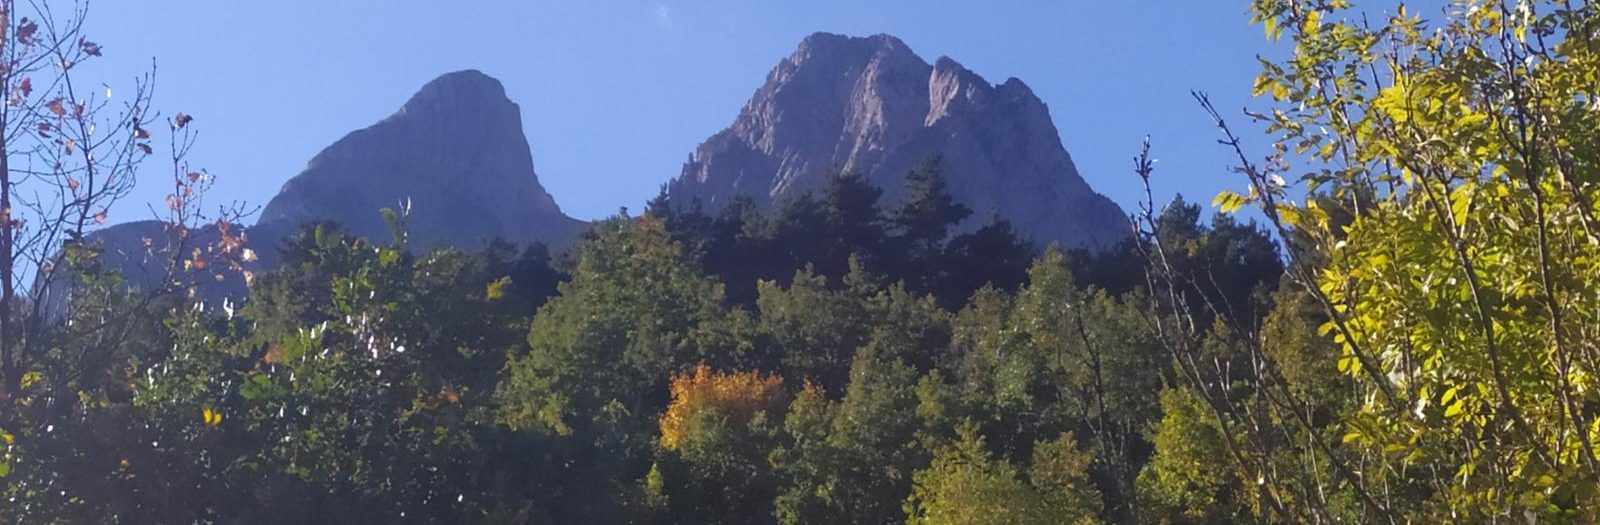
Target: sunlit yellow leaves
x: 1229, y: 202
x: 210, y: 417
x: 1349, y: 364
x: 1461, y: 202
x: 1266, y: 83
x: 31, y: 378
x: 1290, y: 214
x: 738, y: 396
x: 1313, y: 21
x: 1463, y: 252
x: 1396, y: 102
x: 1471, y: 119
x: 496, y: 289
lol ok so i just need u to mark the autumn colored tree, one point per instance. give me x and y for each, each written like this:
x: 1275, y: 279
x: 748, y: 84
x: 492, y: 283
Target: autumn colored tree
x: 67, y: 153
x: 717, y: 432
x: 73, y: 334
x: 737, y: 397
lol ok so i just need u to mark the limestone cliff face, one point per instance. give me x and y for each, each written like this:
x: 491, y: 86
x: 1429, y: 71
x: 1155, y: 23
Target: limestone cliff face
x: 455, y: 152
x: 873, y: 107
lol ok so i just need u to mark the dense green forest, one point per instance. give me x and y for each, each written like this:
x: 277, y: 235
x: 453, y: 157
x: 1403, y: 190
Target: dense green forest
x: 834, y: 360
x: 1407, y: 335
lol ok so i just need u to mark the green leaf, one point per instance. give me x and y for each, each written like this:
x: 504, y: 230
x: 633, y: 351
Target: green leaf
x: 388, y: 257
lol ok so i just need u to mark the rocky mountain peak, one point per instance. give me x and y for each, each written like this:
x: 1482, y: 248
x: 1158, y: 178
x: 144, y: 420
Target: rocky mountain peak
x: 835, y: 48
x: 871, y: 106
x: 465, y: 101
x: 468, y: 86
x: 455, y: 152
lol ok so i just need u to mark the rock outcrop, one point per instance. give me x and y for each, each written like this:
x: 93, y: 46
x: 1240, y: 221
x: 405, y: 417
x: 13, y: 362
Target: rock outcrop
x: 872, y: 107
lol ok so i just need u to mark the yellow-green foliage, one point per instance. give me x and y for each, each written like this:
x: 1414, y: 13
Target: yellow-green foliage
x: 1463, y: 286
x: 965, y: 485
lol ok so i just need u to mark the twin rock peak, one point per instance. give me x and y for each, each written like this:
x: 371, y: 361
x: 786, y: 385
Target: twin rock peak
x: 863, y: 105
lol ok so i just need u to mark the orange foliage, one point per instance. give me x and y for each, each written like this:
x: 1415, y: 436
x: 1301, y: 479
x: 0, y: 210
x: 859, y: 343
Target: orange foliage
x: 275, y: 354
x: 736, y: 395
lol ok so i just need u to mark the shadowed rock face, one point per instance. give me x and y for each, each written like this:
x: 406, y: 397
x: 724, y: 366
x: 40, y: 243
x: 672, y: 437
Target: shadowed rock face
x: 872, y: 107
x: 455, y: 152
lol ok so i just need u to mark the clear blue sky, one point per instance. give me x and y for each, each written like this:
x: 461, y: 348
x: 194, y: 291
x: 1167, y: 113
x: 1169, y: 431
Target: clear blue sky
x: 616, y: 93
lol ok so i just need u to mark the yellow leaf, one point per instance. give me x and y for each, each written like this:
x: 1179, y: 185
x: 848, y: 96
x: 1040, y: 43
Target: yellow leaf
x: 1262, y: 85
x: 1290, y: 214
x: 497, y: 288
x: 1228, y: 201
x: 1350, y: 365
x: 1313, y: 21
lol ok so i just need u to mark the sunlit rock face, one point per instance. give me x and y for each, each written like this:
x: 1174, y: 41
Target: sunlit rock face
x: 872, y: 107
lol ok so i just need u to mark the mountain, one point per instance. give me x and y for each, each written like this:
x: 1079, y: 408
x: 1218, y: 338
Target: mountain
x: 872, y: 107
x: 455, y: 154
